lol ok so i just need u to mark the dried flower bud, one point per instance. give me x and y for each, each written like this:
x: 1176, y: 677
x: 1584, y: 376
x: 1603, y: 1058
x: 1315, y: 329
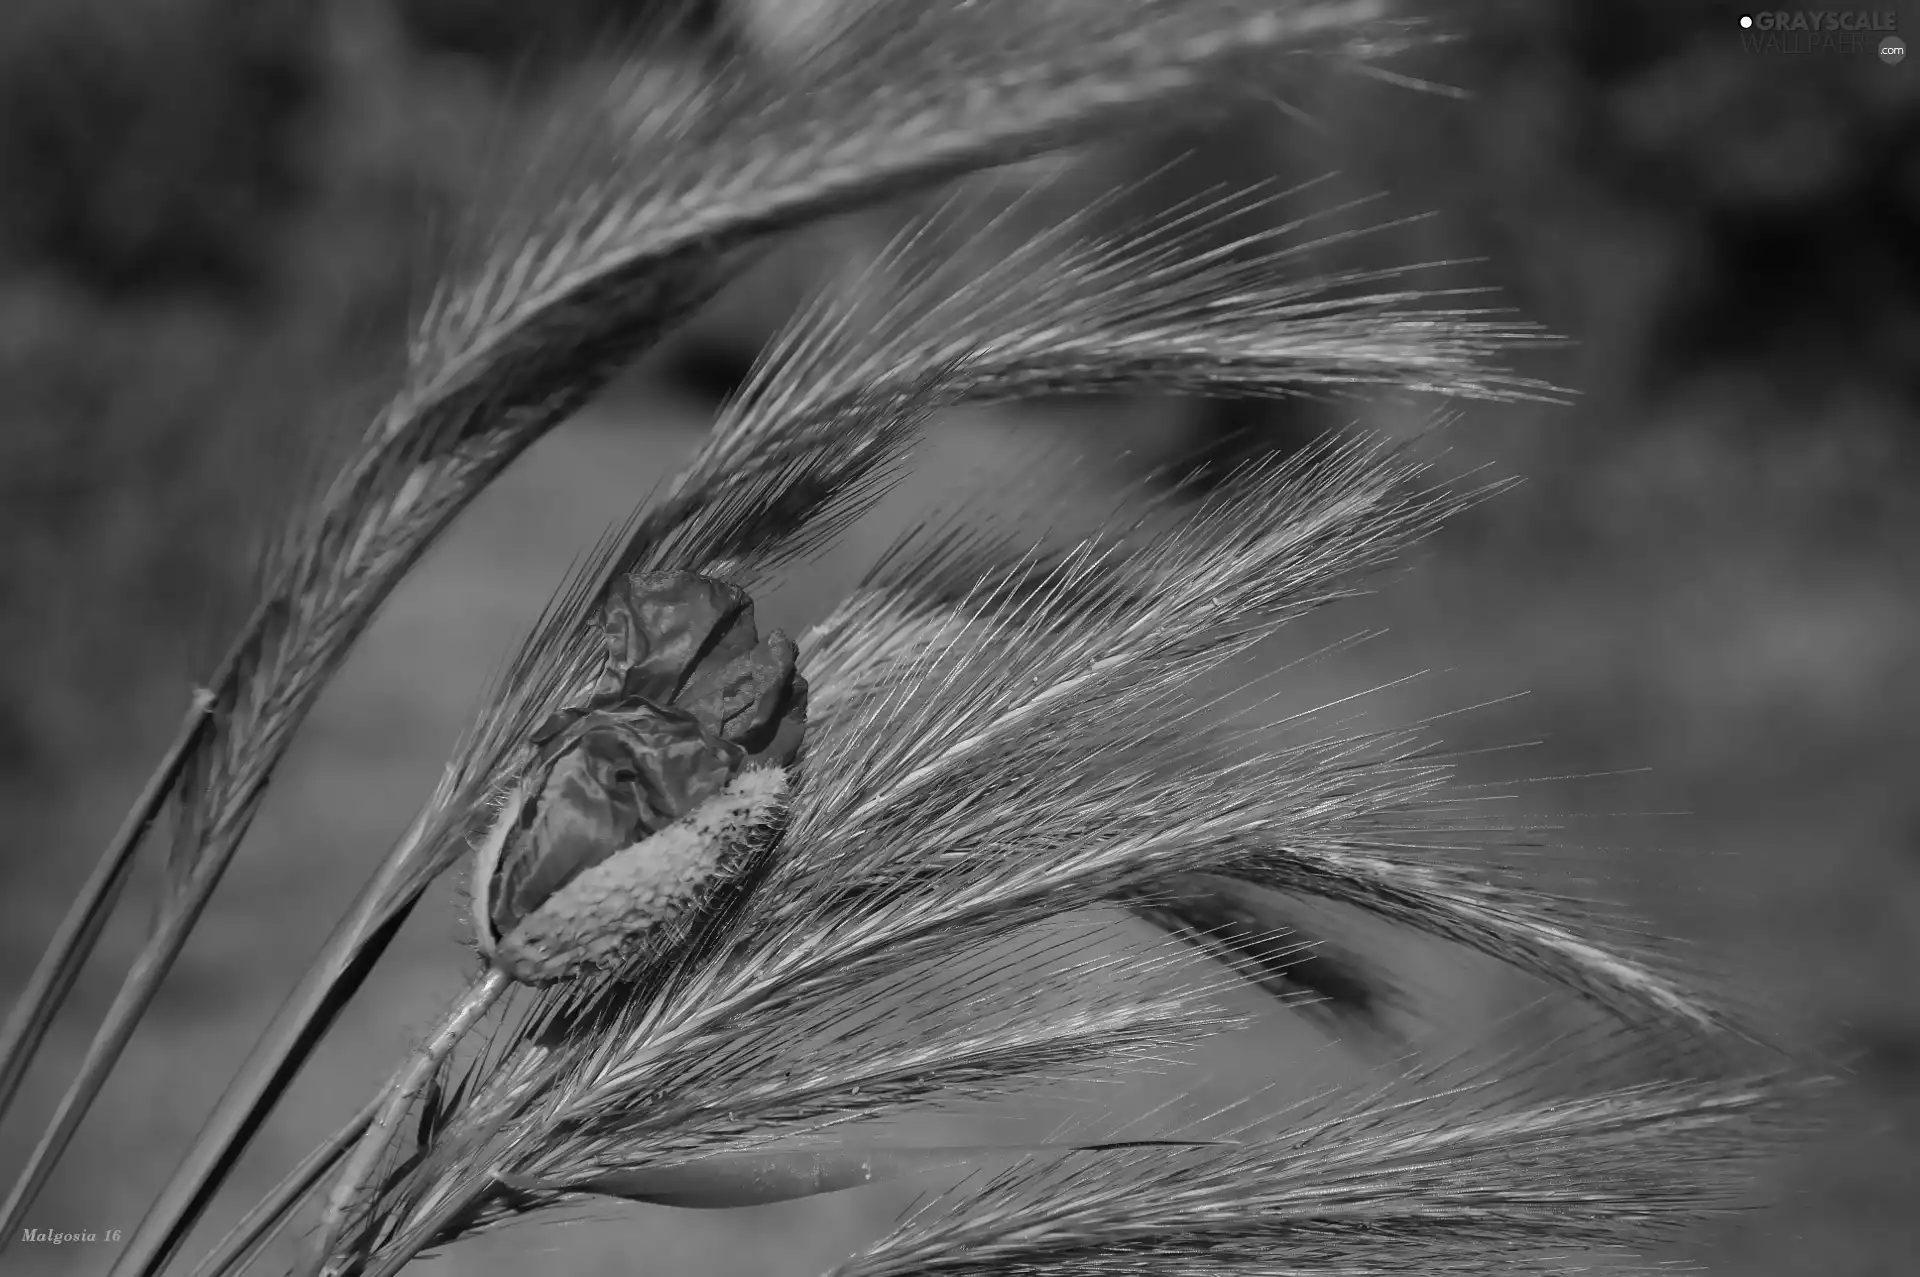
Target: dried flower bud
x: 593, y: 921
x: 690, y: 698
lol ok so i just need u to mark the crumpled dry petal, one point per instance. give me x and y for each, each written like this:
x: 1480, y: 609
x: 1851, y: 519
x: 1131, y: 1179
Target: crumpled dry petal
x: 688, y: 640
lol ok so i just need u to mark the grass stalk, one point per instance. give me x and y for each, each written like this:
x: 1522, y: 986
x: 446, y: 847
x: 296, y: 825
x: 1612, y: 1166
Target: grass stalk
x: 72, y: 944
x: 356, y: 944
x: 401, y: 1092
x: 264, y: 1221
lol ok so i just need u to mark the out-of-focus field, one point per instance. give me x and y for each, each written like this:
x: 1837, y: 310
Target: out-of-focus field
x: 1705, y: 587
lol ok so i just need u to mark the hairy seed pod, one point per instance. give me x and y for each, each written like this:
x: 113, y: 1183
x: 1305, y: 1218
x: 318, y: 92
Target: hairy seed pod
x: 637, y: 796
x: 593, y: 921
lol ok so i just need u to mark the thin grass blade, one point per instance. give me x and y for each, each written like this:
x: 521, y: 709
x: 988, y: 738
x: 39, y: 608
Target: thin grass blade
x: 272, y: 1213
x: 68, y: 950
x: 1254, y: 932
x: 758, y: 1179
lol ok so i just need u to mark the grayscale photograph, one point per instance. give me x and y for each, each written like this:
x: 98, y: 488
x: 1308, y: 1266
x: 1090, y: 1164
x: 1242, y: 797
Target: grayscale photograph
x: 959, y: 638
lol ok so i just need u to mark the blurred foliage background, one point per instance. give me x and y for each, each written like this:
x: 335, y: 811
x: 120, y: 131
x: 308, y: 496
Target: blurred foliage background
x: 218, y: 214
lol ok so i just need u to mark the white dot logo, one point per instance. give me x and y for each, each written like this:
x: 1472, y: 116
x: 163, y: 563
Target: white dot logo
x: 1746, y: 21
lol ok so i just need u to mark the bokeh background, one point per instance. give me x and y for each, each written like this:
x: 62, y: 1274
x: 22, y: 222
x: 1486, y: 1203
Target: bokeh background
x: 211, y: 235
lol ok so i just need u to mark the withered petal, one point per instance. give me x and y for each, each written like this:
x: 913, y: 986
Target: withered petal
x: 789, y: 731
x: 659, y: 625
x: 743, y: 700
